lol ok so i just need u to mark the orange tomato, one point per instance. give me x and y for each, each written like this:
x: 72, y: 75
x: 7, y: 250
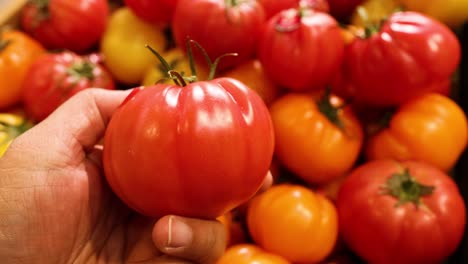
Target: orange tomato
x: 235, y: 232
x: 294, y: 222
x: 178, y: 61
x: 251, y: 73
x: 17, y: 52
x: 430, y: 128
x: 249, y: 254
x: 316, y: 137
x: 373, y: 12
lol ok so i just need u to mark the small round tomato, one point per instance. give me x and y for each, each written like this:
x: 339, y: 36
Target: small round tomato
x: 431, y: 128
x: 178, y: 61
x: 55, y: 77
x: 401, y: 212
x: 316, y: 136
x: 63, y: 24
x: 251, y: 73
x: 153, y: 11
x: 196, y: 150
x: 301, y: 49
x: 294, y: 222
x: 17, y: 52
x: 249, y: 254
x: 124, y: 46
x: 234, y: 229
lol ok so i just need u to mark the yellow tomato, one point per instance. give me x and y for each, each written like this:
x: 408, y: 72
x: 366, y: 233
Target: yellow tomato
x: 249, y: 254
x: 373, y: 12
x: 11, y: 126
x: 124, y: 46
x: 451, y: 12
x: 251, y: 73
x: 178, y: 61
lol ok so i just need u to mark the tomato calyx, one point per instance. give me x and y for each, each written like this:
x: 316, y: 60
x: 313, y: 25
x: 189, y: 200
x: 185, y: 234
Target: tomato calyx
x: 406, y: 189
x: 42, y: 7
x: 330, y: 111
x: 232, y: 3
x: 82, y: 69
x: 179, y: 78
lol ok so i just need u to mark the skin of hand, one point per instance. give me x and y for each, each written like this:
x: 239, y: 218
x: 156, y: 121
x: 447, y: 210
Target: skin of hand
x: 55, y: 206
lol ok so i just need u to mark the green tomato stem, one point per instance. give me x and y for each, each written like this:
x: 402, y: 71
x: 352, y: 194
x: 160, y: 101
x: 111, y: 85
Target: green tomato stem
x: 177, y: 76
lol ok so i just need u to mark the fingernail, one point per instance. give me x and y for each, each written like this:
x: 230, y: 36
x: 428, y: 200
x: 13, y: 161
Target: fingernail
x: 179, y: 233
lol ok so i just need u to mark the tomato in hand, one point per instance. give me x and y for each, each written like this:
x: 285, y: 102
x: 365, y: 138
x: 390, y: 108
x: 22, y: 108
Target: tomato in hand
x: 431, y: 128
x: 220, y: 27
x: 198, y: 150
x: 153, y: 11
x: 301, y: 49
x: 401, y: 212
x: 316, y: 137
x: 17, y: 52
x: 63, y: 24
x: 252, y: 74
x: 123, y: 46
x: 294, y: 222
x: 249, y: 254
x: 55, y: 77
x: 410, y: 55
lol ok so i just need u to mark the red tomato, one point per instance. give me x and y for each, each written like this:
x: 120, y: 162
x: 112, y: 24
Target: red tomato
x: 342, y: 9
x: 301, y: 50
x: 153, y: 11
x: 55, y: 77
x: 410, y: 55
x: 220, y: 27
x: 401, y: 212
x: 198, y: 150
x: 63, y: 24
x: 272, y: 7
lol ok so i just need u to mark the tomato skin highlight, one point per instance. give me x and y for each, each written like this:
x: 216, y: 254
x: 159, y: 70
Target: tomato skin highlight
x: 59, y: 24
x: 381, y: 232
x: 301, y: 50
x: 196, y: 151
x: 410, y: 55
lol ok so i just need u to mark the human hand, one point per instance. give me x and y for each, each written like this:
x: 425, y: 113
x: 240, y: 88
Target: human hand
x: 55, y: 206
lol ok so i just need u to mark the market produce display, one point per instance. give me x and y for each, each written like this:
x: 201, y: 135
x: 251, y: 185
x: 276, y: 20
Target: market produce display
x: 350, y: 104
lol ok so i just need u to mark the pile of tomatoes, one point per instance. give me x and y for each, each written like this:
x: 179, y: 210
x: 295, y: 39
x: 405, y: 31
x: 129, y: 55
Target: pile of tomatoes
x: 347, y: 103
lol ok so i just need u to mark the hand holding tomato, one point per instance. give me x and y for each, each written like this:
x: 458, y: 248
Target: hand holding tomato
x: 62, y: 188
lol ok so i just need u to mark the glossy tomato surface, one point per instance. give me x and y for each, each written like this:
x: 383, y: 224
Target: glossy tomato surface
x: 220, y: 27
x: 385, y: 217
x: 197, y: 151
x: 294, y: 222
x: 62, y: 24
x: 55, y: 77
x: 411, y: 54
x: 301, y: 50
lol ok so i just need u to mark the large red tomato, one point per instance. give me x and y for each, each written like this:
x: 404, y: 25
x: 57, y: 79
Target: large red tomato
x: 198, y: 150
x: 55, y: 77
x: 153, y: 11
x: 301, y: 49
x: 411, y: 54
x: 63, y: 24
x: 220, y: 27
x: 401, y: 212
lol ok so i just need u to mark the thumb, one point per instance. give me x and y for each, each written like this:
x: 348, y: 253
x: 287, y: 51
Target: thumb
x: 201, y: 241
